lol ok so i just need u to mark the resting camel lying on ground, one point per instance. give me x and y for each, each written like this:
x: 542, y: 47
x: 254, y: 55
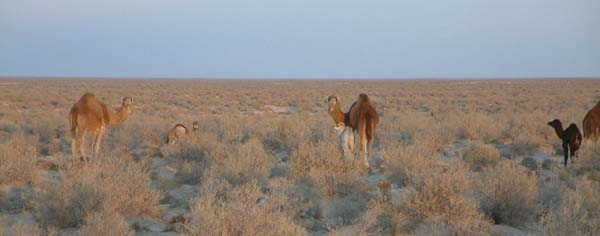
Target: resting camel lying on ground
x: 362, y: 117
x: 180, y: 131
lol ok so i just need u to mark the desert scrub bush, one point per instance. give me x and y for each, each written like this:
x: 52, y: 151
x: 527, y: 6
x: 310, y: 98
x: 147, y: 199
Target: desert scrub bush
x: 411, y: 164
x: 323, y: 165
x: 111, y: 184
x: 508, y: 193
x: 240, y: 162
x: 17, y: 162
x: 446, y: 197
x: 105, y: 223
x: 482, y: 155
x: 22, y: 229
x: 242, y: 210
x: 588, y: 163
x: 578, y: 213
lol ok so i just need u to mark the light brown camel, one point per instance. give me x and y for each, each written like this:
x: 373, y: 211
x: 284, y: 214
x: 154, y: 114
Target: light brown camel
x: 362, y: 117
x: 90, y: 114
x: 346, y: 136
x: 179, y: 131
x: 591, y: 123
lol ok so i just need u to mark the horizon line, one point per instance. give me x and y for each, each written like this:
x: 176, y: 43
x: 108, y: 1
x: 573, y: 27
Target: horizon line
x: 294, y: 78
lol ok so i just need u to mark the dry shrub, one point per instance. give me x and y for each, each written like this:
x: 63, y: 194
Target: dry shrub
x: 445, y: 197
x: 242, y: 210
x: 588, y: 163
x: 111, y: 184
x: 381, y: 218
x: 240, y: 162
x: 578, y: 213
x: 334, y: 176
x: 17, y: 162
x: 22, y: 229
x: 508, y: 193
x: 104, y: 223
x: 482, y: 155
x: 411, y: 164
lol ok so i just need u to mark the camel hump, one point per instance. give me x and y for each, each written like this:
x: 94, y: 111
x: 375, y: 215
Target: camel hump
x: 572, y: 126
x: 87, y: 96
x: 363, y: 98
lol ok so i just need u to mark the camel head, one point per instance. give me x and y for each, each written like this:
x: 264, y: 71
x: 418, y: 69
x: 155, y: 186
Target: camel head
x: 332, y: 101
x: 195, y: 125
x: 339, y: 127
x: 126, y: 103
x: 555, y: 123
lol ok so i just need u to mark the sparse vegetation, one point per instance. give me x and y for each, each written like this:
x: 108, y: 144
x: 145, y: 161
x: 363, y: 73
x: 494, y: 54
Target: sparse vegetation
x: 457, y: 158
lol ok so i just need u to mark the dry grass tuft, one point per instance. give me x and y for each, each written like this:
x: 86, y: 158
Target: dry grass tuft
x: 508, y: 193
x: 105, y: 223
x: 578, y: 213
x: 482, y: 156
x: 444, y: 197
x: 17, y: 162
x: 242, y: 210
x: 109, y: 184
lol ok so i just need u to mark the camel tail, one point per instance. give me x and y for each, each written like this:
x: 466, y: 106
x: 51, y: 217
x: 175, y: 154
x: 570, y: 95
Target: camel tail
x: 73, y: 123
x: 369, y: 125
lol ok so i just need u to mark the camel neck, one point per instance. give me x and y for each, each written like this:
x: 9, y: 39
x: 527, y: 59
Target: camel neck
x: 336, y: 114
x: 118, y: 117
x: 559, y: 130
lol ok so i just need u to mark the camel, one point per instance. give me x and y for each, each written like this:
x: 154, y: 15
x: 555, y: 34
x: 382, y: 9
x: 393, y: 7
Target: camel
x: 90, y: 114
x: 571, y: 138
x: 346, y: 136
x: 362, y: 118
x: 179, y: 131
x: 591, y: 123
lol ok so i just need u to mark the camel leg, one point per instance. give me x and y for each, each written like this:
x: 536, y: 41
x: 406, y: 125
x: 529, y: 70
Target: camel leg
x: 370, y: 147
x: 573, y: 151
x: 82, y: 144
x: 350, y: 139
x: 99, y: 141
x: 73, y: 146
x: 566, y: 151
x: 94, y: 138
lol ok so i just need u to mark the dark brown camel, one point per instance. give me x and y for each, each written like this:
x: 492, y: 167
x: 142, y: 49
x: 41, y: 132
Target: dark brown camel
x: 591, y: 123
x: 362, y: 117
x: 571, y: 138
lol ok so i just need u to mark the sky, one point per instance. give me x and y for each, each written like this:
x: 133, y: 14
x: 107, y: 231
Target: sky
x: 300, y: 38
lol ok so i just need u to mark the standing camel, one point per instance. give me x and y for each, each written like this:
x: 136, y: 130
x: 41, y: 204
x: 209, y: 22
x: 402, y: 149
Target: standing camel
x: 90, y: 114
x: 571, y: 138
x: 591, y: 123
x: 362, y: 117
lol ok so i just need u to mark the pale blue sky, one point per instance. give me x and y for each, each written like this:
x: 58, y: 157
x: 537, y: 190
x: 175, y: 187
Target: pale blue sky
x: 300, y: 38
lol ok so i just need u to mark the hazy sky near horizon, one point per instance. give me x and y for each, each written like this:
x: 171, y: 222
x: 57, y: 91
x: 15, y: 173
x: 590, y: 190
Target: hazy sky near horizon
x: 300, y: 38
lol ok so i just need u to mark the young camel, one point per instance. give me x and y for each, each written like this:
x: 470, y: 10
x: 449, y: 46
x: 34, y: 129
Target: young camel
x: 362, y: 117
x: 346, y: 138
x: 179, y: 131
x: 90, y: 114
x: 571, y: 138
x: 591, y: 123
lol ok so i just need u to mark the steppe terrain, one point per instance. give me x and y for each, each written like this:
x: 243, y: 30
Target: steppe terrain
x: 451, y: 158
